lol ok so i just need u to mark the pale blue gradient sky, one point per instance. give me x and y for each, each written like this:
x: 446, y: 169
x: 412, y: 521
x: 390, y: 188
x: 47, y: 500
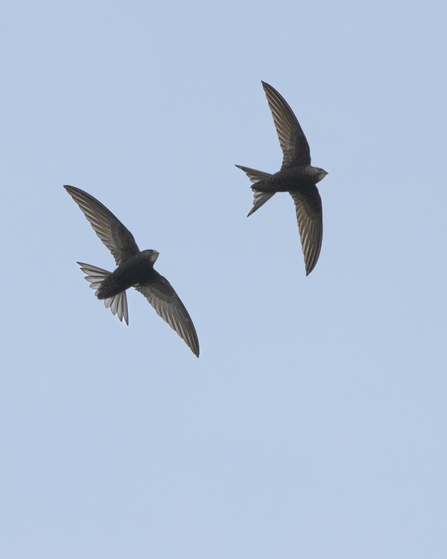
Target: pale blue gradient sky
x: 314, y: 423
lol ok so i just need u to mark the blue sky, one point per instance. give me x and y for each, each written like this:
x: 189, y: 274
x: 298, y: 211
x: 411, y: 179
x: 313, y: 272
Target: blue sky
x: 314, y: 423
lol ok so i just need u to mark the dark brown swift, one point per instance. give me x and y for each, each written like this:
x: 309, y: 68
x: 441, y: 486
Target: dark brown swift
x: 135, y: 269
x: 297, y: 176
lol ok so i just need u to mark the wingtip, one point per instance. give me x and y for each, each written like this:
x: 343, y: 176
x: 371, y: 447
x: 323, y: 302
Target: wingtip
x: 195, y: 348
x: 309, y: 270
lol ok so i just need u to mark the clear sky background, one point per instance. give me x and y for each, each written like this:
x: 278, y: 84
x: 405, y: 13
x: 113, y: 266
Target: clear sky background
x: 314, y: 423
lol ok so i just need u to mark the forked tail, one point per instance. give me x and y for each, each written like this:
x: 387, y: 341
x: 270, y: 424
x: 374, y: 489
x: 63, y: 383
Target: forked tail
x: 260, y: 198
x: 117, y: 303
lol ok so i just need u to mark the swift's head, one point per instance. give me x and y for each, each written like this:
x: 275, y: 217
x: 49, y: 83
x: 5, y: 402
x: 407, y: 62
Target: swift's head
x: 319, y: 174
x: 151, y: 255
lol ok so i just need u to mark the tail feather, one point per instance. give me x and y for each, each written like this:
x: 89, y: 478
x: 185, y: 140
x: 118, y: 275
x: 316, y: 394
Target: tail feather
x: 260, y: 198
x: 117, y: 303
x: 254, y: 175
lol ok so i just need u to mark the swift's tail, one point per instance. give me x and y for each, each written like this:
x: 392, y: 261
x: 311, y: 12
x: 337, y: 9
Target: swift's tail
x: 117, y: 303
x: 260, y: 198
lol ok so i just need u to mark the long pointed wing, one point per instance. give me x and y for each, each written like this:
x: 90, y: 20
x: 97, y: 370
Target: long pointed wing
x: 161, y: 295
x: 291, y: 136
x: 117, y: 238
x: 309, y: 213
